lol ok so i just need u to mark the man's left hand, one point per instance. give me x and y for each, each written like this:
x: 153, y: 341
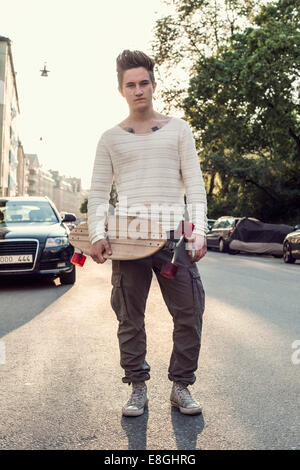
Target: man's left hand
x: 198, y: 245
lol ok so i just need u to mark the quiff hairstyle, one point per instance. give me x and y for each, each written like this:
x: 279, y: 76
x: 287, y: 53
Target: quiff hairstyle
x: 132, y: 59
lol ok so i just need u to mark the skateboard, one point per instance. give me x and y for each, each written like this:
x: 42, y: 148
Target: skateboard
x: 130, y: 238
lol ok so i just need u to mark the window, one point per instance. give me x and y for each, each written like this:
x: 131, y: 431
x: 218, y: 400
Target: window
x: 26, y: 212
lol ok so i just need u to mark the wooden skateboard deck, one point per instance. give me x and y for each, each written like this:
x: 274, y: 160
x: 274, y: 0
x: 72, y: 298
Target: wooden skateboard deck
x: 129, y: 237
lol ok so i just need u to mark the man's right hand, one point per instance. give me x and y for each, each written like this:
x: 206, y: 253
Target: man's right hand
x: 98, y: 248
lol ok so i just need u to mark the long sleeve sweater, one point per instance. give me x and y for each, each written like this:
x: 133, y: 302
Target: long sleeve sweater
x: 152, y: 172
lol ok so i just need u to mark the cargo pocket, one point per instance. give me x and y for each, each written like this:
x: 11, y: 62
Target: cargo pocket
x: 117, y: 297
x: 198, y: 292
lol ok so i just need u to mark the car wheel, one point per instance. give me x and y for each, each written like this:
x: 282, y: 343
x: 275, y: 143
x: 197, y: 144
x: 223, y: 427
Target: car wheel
x: 68, y: 278
x: 287, y: 255
x: 222, y: 246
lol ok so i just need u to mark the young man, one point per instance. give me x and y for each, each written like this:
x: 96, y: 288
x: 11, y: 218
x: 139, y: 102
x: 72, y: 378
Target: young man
x: 153, y: 161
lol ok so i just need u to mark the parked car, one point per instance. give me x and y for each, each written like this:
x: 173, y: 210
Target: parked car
x: 218, y: 235
x: 253, y: 236
x: 34, y: 239
x: 291, y: 246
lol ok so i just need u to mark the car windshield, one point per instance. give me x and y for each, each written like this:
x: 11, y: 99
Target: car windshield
x: 26, y: 212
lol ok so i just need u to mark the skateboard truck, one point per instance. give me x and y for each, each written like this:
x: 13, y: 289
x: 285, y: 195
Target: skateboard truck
x: 78, y: 258
x: 169, y: 268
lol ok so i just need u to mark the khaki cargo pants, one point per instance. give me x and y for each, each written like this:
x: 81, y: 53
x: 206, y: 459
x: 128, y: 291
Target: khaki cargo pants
x: 185, y: 299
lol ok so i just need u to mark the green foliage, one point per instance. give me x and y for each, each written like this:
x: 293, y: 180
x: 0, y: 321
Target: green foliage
x: 83, y: 207
x: 113, y: 195
x: 113, y: 199
x: 243, y: 103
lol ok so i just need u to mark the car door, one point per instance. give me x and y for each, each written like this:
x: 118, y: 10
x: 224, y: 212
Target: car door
x: 213, y: 234
x: 229, y: 226
x: 223, y: 230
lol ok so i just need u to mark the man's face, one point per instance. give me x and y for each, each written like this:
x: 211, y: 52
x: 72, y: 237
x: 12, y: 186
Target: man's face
x: 137, y: 88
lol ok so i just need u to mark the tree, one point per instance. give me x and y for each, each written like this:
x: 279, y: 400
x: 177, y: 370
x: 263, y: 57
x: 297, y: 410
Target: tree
x: 83, y: 207
x: 243, y: 105
x: 112, y: 201
x: 196, y: 28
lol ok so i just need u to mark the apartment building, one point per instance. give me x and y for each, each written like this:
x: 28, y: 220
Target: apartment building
x: 66, y: 193
x: 40, y: 181
x: 22, y: 172
x: 9, y: 112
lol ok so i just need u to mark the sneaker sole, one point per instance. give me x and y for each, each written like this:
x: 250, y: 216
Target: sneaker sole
x: 138, y: 412
x: 187, y: 411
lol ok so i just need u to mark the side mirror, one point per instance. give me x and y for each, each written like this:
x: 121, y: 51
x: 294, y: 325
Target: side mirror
x: 69, y: 217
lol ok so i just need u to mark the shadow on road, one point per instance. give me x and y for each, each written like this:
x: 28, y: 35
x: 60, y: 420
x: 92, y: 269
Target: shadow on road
x: 22, y: 299
x: 186, y: 429
x: 136, y: 431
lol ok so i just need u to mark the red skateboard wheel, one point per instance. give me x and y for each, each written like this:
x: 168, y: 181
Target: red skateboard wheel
x: 78, y: 259
x: 169, y: 270
x: 185, y: 228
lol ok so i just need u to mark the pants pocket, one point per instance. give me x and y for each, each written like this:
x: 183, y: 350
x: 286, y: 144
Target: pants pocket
x: 117, y: 297
x: 198, y: 292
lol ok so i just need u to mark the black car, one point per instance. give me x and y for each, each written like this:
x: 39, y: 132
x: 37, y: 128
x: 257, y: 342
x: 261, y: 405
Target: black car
x: 219, y: 233
x: 34, y: 239
x: 291, y: 246
x: 253, y: 236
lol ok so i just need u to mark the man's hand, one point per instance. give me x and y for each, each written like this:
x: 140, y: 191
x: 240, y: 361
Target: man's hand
x: 98, y: 248
x: 198, y: 244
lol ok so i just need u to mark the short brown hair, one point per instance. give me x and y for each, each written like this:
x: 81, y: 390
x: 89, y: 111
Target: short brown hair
x: 132, y: 59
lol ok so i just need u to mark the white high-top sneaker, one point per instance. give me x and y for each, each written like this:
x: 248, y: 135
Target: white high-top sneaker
x: 138, y: 400
x: 182, y: 399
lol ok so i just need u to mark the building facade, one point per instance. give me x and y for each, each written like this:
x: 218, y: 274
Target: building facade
x: 22, y: 172
x: 66, y: 193
x: 9, y: 112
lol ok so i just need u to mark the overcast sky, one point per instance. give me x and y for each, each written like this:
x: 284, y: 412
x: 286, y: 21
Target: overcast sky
x: 79, y: 99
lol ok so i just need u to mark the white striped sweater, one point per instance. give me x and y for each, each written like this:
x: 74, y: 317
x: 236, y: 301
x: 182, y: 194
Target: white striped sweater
x: 152, y: 172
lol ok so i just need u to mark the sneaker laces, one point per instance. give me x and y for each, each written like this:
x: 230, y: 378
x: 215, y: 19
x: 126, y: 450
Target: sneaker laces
x: 184, y: 395
x: 137, y: 397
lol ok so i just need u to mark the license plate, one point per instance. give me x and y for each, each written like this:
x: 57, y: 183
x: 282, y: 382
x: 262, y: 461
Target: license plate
x: 15, y: 259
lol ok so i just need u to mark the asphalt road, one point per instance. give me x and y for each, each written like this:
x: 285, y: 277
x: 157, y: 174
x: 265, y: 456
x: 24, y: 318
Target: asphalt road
x: 60, y: 378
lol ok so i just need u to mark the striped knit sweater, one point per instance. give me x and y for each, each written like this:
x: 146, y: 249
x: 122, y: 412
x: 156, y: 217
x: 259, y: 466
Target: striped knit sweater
x: 152, y: 172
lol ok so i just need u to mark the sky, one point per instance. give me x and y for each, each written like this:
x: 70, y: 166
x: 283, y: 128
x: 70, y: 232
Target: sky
x: 63, y: 116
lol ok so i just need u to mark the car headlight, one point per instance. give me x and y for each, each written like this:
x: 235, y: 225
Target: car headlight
x: 56, y: 241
